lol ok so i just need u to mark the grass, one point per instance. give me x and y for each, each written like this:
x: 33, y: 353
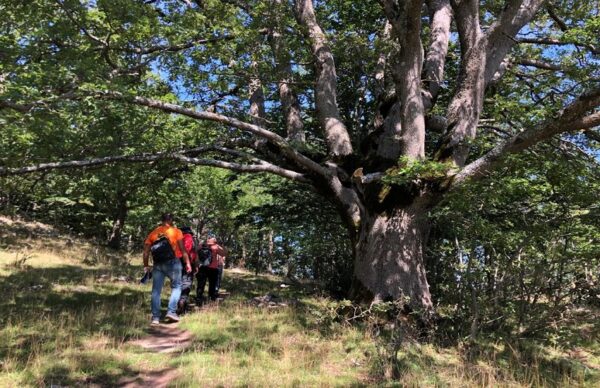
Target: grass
x: 69, y: 310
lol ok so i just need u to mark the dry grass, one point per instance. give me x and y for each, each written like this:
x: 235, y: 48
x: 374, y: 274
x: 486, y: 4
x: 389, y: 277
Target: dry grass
x: 69, y: 310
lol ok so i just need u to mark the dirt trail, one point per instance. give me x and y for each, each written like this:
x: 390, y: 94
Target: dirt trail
x: 165, y: 339
x: 160, y: 339
x: 155, y: 379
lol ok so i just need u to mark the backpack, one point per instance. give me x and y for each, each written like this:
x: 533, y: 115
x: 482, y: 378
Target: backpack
x: 194, y: 250
x: 205, y: 255
x: 161, y: 250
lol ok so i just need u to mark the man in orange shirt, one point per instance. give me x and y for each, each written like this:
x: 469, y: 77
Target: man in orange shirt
x: 167, y: 263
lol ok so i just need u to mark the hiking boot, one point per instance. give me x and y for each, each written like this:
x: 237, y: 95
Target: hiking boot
x: 172, y: 317
x: 181, y: 307
x: 155, y: 322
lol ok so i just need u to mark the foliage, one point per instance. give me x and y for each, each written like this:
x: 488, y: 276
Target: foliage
x: 409, y: 170
x: 516, y: 252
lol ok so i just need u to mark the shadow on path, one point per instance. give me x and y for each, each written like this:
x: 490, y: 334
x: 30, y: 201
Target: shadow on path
x: 160, y: 339
x: 164, y: 339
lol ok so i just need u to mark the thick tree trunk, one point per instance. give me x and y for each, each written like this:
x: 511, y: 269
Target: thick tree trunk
x: 389, y: 258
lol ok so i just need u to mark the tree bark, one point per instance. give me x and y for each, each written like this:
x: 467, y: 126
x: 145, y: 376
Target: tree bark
x: 336, y: 133
x: 388, y: 262
x: 406, y: 25
x: 271, y: 250
x: 440, y: 15
x: 283, y: 67
x: 257, y: 99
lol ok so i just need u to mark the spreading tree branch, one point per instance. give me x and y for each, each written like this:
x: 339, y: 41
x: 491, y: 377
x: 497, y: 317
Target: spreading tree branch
x: 336, y: 133
x: 540, y: 64
x: 440, y: 15
x: 556, y: 42
x: 482, y: 56
x: 286, y: 149
x: 283, y: 68
x: 501, y: 34
x: 260, y: 166
x: 574, y: 117
x: 170, y: 47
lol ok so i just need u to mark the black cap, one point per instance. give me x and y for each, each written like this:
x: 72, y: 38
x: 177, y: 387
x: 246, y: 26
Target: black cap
x: 166, y: 217
x: 186, y: 229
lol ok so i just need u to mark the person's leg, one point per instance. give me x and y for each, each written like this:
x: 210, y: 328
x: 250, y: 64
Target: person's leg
x: 186, y: 285
x: 174, y: 275
x: 201, y: 277
x: 158, y: 278
x: 213, y: 274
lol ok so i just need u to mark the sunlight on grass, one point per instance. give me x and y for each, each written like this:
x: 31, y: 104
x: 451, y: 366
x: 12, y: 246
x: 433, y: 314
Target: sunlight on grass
x: 242, y: 344
x: 69, y: 311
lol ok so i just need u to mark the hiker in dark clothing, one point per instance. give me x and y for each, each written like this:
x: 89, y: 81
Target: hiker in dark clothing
x: 187, y: 278
x: 209, y: 270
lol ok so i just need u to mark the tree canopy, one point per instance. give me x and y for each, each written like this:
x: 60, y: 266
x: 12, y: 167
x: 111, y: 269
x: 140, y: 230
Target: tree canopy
x: 386, y: 110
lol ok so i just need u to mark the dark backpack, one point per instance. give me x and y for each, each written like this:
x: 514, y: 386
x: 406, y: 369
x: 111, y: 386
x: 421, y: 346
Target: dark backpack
x: 162, y: 251
x: 204, y: 255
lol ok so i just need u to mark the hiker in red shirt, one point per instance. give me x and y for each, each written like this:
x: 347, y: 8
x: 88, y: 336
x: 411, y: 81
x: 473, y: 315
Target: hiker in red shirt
x: 187, y: 278
x: 209, y: 268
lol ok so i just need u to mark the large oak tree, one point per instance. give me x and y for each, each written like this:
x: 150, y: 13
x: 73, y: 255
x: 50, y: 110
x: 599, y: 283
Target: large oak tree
x: 377, y: 106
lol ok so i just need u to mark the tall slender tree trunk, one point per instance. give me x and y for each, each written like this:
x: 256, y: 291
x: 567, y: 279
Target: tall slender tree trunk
x: 270, y: 251
x: 114, y: 241
x: 242, y: 263
x: 388, y: 257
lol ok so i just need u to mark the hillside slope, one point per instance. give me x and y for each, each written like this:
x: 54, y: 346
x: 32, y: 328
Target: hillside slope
x: 72, y: 314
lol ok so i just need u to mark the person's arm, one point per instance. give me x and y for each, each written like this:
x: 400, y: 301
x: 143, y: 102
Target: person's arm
x: 221, y: 253
x: 146, y: 257
x: 186, y: 257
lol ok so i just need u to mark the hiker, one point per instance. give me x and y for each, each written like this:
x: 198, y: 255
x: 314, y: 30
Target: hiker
x: 208, y: 259
x: 187, y: 278
x: 166, y: 244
